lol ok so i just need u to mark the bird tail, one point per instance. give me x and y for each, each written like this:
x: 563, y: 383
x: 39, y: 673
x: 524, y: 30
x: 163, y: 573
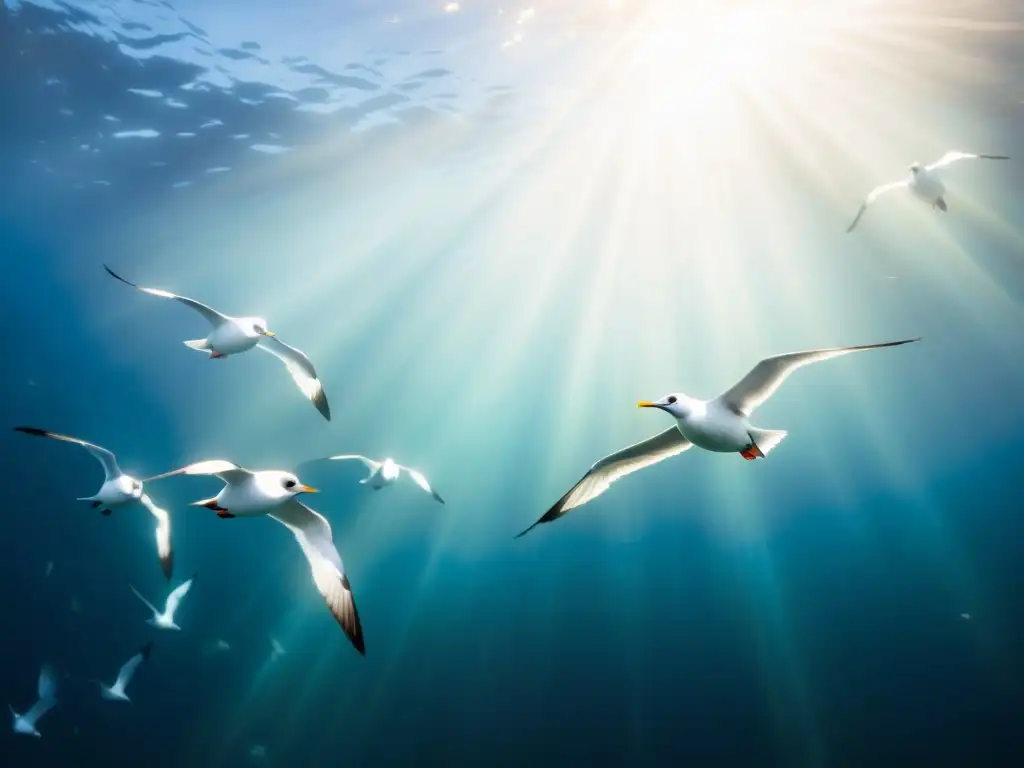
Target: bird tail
x: 200, y: 345
x: 766, y: 439
x: 941, y: 205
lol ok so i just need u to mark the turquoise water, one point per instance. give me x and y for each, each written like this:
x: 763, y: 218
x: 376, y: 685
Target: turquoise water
x: 491, y: 252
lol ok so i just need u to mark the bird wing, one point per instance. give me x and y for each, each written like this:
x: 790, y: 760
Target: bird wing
x: 873, y: 195
x: 47, y: 682
x: 421, y: 481
x: 40, y: 708
x: 128, y: 670
x: 214, y: 317
x: 371, y: 465
x: 148, y: 604
x: 105, y: 457
x: 953, y: 156
x: 313, y: 533
x: 767, y: 376
x: 612, y: 467
x: 225, y: 470
x: 163, y: 534
x: 177, y: 595
x: 302, y: 371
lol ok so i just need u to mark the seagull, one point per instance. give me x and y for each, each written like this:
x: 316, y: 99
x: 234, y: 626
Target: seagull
x: 26, y: 724
x: 276, y: 649
x: 272, y: 492
x: 165, y: 620
x: 924, y: 182
x: 721, y: 425
x: 119, y: 490
x: 234, y: 335
x: 385, y: 472
x: 116, y: 692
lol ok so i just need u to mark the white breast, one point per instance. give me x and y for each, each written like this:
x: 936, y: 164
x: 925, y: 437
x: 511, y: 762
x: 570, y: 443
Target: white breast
x: 230, y: 338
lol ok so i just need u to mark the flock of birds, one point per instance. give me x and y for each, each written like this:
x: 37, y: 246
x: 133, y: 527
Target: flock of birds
x: 720, y: 425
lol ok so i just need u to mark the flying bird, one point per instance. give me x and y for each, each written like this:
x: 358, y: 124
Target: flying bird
x: 165, y: 619
x: 924, y: 182
x: 721, y: 425
x: 116, y: 692
x: 120, y: 490
x: 383, y: 473
x: 272, y: 493
x: 26, y: 723
x: 234, y: 335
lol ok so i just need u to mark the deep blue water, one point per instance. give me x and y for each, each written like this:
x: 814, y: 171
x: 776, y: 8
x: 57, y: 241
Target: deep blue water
x: 490, y: 263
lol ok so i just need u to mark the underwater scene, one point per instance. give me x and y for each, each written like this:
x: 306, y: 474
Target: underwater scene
x: 644, y: 383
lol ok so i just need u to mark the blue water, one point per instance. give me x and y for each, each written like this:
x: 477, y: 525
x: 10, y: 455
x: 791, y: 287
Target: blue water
x: 491, y: 251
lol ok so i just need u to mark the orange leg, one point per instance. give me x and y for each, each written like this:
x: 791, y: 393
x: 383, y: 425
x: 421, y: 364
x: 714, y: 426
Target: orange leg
x: 751, y: 453
x: 215, y: 355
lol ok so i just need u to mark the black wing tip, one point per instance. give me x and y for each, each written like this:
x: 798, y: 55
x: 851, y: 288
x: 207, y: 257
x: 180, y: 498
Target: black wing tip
x: 146, y: 650
x: 552, y: 514
x: 437, y: 497
x: 167, y: 564
x: 351, y: 624
x: 116, y: 276
x: 320, y: 401
x: 33, y: 431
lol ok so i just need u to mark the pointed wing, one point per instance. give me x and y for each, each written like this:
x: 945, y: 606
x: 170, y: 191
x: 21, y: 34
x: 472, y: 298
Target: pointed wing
x: 767, y: 376
x: 214, y: 317
x: 313, y: 533
x: 47, y: 682
x: 128, y: 670
x: 954, y: 156
x: 105, y: 457
x: 302, y: 371
x: 225, y: 470
x: 148, y: 604
x: 370, y: 464
x: 874, y: 195
x: 163, y: 535
x: 612, y: 467
x: 174, y: 599
x: 421, y: 481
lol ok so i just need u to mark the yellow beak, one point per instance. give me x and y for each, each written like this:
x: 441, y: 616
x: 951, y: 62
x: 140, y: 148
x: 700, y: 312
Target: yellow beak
x: 269, y: 333
x: 307, y: 489
x: 645, y: 404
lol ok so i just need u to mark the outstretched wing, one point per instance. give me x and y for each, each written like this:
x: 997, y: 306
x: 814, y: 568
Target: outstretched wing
x: 612, y: 467
x: 163, y: 535
x: 128, y: 670
x: 177, y: 595
x: 105, y: 457
x: 225, y: 470
x: 874, y: 195
x: 214, y: 317
x: 421, y: 481
x: 313, y: 533
x: 767, y: 376
x: 301, y: 370
x: 954, y: 156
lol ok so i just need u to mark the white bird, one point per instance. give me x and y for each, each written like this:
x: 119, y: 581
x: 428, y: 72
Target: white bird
x: 165, y: 619
x: 119, y: 490
x: 26, y: 723
x: 385, y: 472
x: 924, y: 182
x: 234, y: 335
x: 276, y: 649
x: 116, y: 692
x: 272, y: 492
x: 721, y: 425
x: 223, y: 645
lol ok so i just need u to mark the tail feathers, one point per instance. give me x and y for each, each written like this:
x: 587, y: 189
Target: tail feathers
x: 208, y: 503
x: 766, y: 439
x: 198, y: 344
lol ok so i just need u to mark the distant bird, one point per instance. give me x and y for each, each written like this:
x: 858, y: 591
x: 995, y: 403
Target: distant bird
x: 26, y: 724
x: 721, y: 425
x: 222, y: 645
x: 385, y: 472
x: 165, y: 619
x: 119, y: 490
x: 116, y: 692
x: 924, y: 182
x: 276, y: 649
x: 272, y: 493
x: 234, y: 335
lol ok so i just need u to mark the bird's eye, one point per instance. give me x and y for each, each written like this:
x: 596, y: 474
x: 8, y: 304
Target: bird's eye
x: 289, y: 483
x: 672, y: 400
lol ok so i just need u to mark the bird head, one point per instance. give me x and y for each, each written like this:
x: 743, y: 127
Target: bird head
x: 129, y: 486
x: 915, y: 167
x: 258, y: 326
x: 676, y: 404
x: 289, y: 483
